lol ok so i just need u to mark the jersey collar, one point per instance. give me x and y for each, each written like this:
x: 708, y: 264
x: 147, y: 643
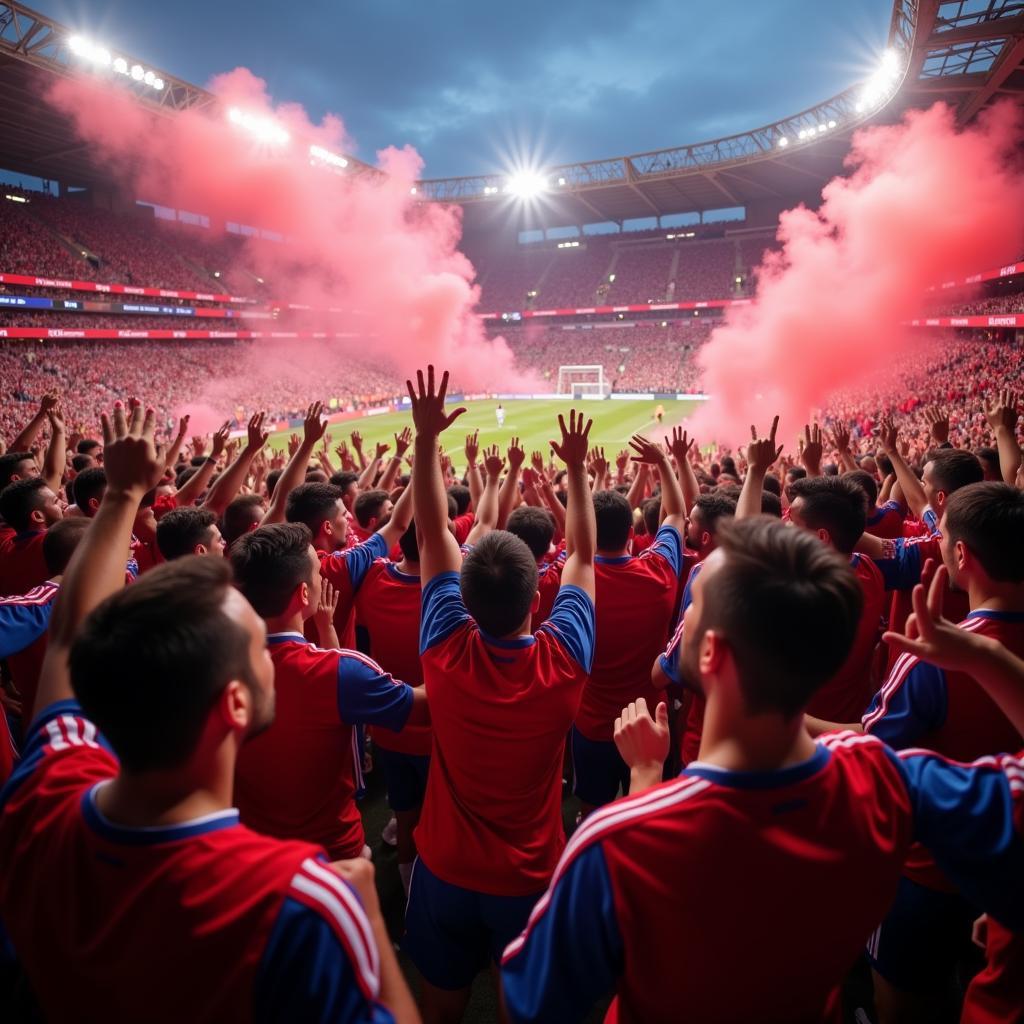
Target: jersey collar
x: 762, y: 780
x: 989, y: 613
x: 612, y: 560
x: 402, y: 577
x: 151, y: 835
x: 280, y: 638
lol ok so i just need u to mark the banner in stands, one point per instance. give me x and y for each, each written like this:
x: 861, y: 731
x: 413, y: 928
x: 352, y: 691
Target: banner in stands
x: 655, y: 307
x: 118, y: 289
x: 994, y: 320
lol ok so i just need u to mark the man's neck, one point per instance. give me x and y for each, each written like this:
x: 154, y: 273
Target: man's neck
x: 995, y: 597
x: 621, y: 553
x: 166, y: 798
x: 757, y: 743
x: 285, y: 624
x: 409, y: 568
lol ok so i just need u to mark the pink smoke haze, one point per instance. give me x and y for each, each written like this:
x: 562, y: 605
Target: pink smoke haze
x: 358, y: 242
x: 924, y: 203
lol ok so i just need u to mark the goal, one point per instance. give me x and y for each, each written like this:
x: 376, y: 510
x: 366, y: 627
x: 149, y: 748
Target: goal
x: 583, y: 381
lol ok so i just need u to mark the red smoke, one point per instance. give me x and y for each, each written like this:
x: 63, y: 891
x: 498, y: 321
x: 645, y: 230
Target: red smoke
x: 357, y: 242
x: 925, y: 203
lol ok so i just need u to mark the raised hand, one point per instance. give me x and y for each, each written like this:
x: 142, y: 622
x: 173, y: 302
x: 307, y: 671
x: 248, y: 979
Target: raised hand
x: 402, y: 441
x: 48, y: 403
x: 294, y: 443
x: 472, y: 448
x: 516, y: 454
x: 888, y: 436
x: 230, y: 448
x: 647, y: 452
x: 313, y: 427
x: 256, y: 436
x: 938, y: 420
x: 1001, y: 412
x: 183, y: 427
x: 642, y: 741
x: 56, y: 417
x: 324, y: 614
x: 493, y: 462
x: 678, y: 445
x: 537, y: 461
x: 198, y: 445
x: 220, y: 440
x: 598, y: 462
x: 357, y: 441
x: 841, y: 438
x: 428, y: 413
x: 381, y: 450
x: 622, y: 460
x: 129, y: 453
x: 762, y: 454
x: 811, y: 452
x: 572, y: 449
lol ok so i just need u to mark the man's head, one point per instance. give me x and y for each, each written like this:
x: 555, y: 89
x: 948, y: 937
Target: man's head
x: 207, y: 671
x: 652, y: 514
x: 499, y: 584
x: 946, y: 471
x: 535, y: 527
x: 409, y: 544
x: 867, y: 483
x: 832, y: 507
x: 59, y: 544
x: 462, y: 498
x: 79, y: 463
x: 87, y: 490
x: 320, y: 508
x: 614, y: 522
x: 371, y: 508
x: 989, y: 459
x: 243, y: 514
x: 349, y: 484
x: 17, y: 466
x: 91, y: 447
x: 981, y: 534
x: 277, y: 570
x: 29, y: 506
x: 774, y: 614
x: 188, y: 531
x: 708, y: 512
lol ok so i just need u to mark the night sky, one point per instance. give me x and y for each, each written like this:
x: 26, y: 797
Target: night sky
x: 480, y: 87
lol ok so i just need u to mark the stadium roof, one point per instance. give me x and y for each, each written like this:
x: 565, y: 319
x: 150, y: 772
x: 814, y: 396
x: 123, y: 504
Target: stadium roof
x: 966, y: 52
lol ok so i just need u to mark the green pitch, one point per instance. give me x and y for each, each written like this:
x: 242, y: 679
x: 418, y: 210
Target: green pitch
x: 534, y: 422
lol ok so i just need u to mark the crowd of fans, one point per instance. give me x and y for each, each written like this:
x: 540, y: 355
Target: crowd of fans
x: 1011, y: 302
x: 755, y: 729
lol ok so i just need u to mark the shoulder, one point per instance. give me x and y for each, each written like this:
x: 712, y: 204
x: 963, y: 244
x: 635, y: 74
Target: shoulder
x: 44, y: 594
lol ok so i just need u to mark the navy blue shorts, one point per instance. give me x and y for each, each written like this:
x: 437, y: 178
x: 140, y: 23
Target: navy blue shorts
x: 451, y: 932
x: 922, y: 937
x: 405, y: 776
x: 598, y: 770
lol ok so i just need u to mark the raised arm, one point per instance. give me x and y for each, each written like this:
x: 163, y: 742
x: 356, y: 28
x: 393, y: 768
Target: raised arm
x: 402, y: 441
x: 650, y: 454
x: 638, y: 489
x: 369, y: 474
x: 172, y: 453
x: 1002, y: 418
x: 474, y: 480
x: 294, y: 473
x: 913, y: 492
x: 96, y: 569
x: 811, y: 450
x: 439, y: 551
x: 547, y: 494
x: 580, y: 522
x: 487, y: 512
x: 841, y: 443
x: 24, y: 441
x: 196, y: 484
x: 55, y: 460
x: 508, y: 495
x: 357, y: 447
x: 401, y: 517
x: 679, y: 444
x: 761, y: 455
x: 230, y: 481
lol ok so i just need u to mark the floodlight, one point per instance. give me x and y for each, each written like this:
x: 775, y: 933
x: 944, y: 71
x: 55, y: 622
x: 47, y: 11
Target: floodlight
x: 831, y: 124
x: 325, y: 156
x: 802, y: 134
x: 149, y: 78
x: 525, y: 184
x: 412, y: 191
x: 77, y: 45
x: 158, y: 84
x: 261, y: 128
x: 121, y: 65
x: 561, y: 181
x: 137, y: 72
x: 783, y: 142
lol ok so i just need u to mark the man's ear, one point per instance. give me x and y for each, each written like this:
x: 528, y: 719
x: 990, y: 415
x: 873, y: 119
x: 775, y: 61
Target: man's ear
x: 234, y: 706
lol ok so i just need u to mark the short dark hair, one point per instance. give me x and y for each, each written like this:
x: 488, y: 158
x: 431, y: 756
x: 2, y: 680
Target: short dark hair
x: 883, y: 462
x: 344, y: 479
x: 9, y: 463
x: 614, y: 520
x: 60, y: 541
x: 712, y: 508
x: 87, y: 445
x: 772, y: 484
x: 989, y: 519
x: 241, y: 515
x: 772, y: 576
x: 462, y: 498
x: 79, y: 463
x: 171, y: 621
x: 652, y: 514
x: 269, y: 563
x: 311, y: 504
x: 271, y: 481
x: 796, y: 472
x: 953, y: 468
x: 181, y: 529
x: 498, y: 582
x: 20, y: 499
x: 771, y: 504
x: 836, y: 504
x: 368, y: 506
x: 90, y: 483
x: 866, y: 482
x: 534, y: 526
x: 988, y: 457
x: 409, y: 544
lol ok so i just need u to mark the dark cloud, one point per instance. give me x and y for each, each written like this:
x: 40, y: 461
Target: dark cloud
x: 472, y: 85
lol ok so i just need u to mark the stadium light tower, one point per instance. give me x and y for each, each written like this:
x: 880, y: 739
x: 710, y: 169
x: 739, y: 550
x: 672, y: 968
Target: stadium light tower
x: 526, y: 184
x: 100, y: 57
x: 882, y: 83
x: 261, y: 128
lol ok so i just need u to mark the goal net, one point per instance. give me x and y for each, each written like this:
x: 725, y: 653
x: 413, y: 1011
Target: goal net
x: 581, y: 381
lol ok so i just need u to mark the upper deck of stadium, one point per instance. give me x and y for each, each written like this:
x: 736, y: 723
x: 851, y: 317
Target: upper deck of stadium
x: 966, y: 52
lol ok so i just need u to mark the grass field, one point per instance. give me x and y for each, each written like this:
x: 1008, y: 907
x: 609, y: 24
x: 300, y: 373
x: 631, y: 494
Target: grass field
x: 534, y: 422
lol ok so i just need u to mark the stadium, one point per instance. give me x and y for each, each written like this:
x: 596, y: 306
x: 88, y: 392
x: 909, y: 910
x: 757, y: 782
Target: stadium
x: 854, y: 270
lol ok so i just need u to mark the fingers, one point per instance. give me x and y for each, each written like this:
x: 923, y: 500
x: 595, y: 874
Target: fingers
x: 937, y: 592
x: 108, y: 430
x: 661, y: 715
x: 120, y: 424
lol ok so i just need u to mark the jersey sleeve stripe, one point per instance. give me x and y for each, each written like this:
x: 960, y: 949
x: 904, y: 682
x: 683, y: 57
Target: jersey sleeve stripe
x: 596, y: 826
x: 340, y: 916
x: 900, y: 670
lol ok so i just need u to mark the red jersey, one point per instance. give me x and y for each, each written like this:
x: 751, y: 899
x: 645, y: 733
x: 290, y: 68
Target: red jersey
x: 845, y: 697
x: 500, y: 711
x: 388, y: 605
x: 249, y: 927
x: 346, y: 570
x: 886, y: 521
x: 298, y: 779
x: 996, y: 993
x: 22, y: 565
x: 635, y: 600
x: 549, y: 579
x: 463, y: 525
x: 25, y: 620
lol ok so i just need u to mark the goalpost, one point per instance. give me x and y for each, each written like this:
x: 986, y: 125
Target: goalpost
x: 583, y: 381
